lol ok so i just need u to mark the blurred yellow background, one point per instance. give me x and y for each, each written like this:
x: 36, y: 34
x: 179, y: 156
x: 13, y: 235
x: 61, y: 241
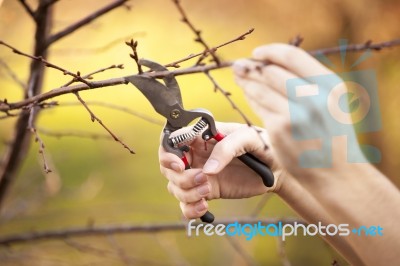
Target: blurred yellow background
x: 97, y: 181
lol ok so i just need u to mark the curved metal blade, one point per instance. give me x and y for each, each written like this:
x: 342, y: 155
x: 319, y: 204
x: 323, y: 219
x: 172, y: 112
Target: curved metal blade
x: 157, y: 93
x: 170, y: 81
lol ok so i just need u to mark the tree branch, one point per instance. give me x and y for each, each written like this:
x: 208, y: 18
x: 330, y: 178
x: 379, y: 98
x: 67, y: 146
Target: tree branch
x: 13, y: 75
x: 46, y: 63
x: 28, y: 9
x: 198, y: 38
x: 93, y: 117
x: 215, y: 48
x: 13, y: 157
x: 32, y: 128
x: 143, y: 116
x: 368, y: 45
x: 57, y: 36
x: 123, y: 229
x: 133, y: 45
x: 177, y: 72
x: 78, y: 134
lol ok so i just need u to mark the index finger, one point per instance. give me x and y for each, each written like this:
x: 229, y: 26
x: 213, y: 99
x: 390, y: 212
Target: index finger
x: 294, y: 59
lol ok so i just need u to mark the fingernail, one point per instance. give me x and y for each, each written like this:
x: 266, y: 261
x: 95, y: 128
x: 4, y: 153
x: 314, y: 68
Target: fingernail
x: 203, y: 190
x: 210, y: 166
x: 200, y: 178
x: 200, y: 206
x: 176, y: 167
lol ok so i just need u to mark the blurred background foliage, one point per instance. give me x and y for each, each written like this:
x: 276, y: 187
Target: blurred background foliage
x: 96, y: 181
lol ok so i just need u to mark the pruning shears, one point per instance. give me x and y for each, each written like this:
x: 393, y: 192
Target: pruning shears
x: 167, y: 101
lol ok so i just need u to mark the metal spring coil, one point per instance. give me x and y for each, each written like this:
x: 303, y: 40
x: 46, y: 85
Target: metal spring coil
x: 191, y: 135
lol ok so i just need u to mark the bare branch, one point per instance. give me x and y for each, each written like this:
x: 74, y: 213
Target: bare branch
x: 282, y: 252
x: 8, y: 115
x: 198, y: 38
x: 57, y: 36
x: 47, y: 64
x: 51, y: 2
x: 95, y: 50
x: 21, y: 138
x: 296, y: 41
x: 119, y: 250
x: 184, y: 71
x: 239, y: 38
x: 121, y: 229
x: 242, y: 253
x: 90, y: 75
x: 85, y: 248
x: 260, y: 205
x: 93, y: 117
x: 13, y: 76
x: 32, y: 128
x: 227, y: 95
x: 133, y: 45
x: 368, y: 45
x: 79, y: 134
x: 119, y: 108
x: 28, y: 9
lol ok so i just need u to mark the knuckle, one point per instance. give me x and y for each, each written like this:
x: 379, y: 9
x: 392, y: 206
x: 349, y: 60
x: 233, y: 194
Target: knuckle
x: 290, y: 52
x: 181, y: 182
x: 170, y: 188
x: 188, y: 210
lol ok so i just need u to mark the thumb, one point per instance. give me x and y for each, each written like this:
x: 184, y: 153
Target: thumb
x: 231, y: 146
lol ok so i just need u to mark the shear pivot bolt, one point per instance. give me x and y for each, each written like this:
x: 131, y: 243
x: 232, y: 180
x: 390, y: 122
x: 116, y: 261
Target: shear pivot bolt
x: 175, y: 113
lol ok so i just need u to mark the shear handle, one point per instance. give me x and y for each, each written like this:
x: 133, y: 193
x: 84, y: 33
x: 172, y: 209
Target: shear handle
x: 255, y: 164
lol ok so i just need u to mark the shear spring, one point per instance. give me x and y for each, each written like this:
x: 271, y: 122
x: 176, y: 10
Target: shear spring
x: 191, y: 135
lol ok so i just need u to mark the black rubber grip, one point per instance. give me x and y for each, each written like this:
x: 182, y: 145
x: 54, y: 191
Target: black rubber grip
x: 208, y: 217
x: 259, y: 167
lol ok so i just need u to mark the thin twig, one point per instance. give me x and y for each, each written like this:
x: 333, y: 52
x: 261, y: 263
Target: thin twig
x: 296, y: 41
x: 89, y: 76
x: 184, y: 71
x: 78, y: 134
x: 120, y: 229
x: 242, y: 253
x: 47, y: 63
x: 282, y: 252
x: 227, y: 95
x: 13, y: 76
x: 32, y: 128
x: 215, y: 48
x: 51, y: 2
x: 94, y: 50
x: 28, y: 9
x: 79, y: 24
x: 93, y: 117
x: 169, y: 245
x: 118, y: 108
x: 368, y: 45
x: 119, y: 250
x: 8, y: 115
x: 85, y: 248
x: 260, y: 205
x: 133, y: 45
x: 198, y: 38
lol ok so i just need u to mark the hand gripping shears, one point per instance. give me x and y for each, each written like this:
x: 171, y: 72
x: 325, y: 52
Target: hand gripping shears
x: 167, y: 101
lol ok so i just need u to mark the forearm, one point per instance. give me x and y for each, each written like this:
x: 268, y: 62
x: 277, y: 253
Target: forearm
x: 301, y: 201
x: 359, y: 195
